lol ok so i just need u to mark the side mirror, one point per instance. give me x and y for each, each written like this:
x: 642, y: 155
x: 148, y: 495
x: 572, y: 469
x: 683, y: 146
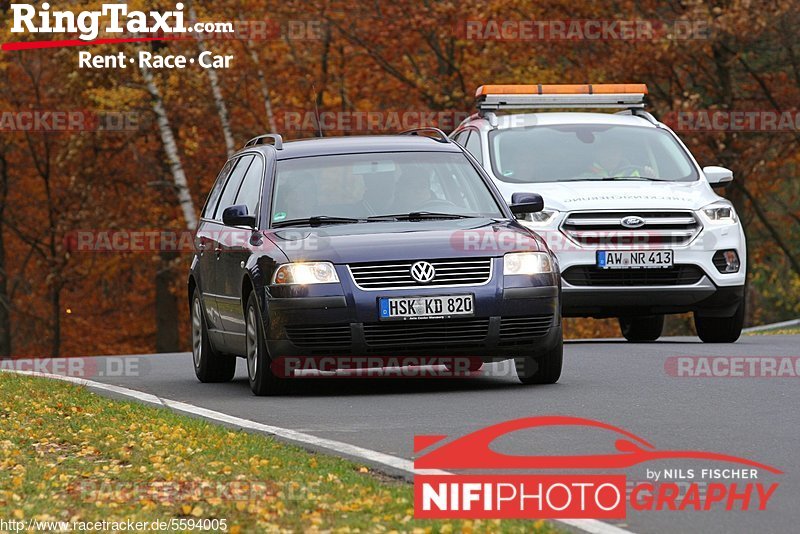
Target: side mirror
x: 718, y: 177
x: 238, y: 216
x: 526, y: 203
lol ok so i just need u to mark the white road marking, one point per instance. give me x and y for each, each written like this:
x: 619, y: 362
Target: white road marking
x: 773, y: 326
x: 592, y: 526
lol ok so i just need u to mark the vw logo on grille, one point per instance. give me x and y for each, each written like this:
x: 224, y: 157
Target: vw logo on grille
x: 632, y: 221
x: 423, y: 272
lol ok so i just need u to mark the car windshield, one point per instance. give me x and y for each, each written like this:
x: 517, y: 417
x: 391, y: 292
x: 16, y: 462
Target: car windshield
x: 355, y: 187
x: 588, y: 152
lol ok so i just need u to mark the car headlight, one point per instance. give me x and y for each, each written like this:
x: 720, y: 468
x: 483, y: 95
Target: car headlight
x: 720, y: 213
x: 539, y: 218
x: 527, y: 263
x: 321, y: 272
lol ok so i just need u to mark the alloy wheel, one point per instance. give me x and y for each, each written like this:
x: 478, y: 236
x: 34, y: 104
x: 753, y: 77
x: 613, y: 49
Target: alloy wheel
x: 252, y: 343
x: 197, y: 332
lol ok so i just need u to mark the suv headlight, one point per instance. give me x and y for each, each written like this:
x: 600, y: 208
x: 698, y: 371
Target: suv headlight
x: 527, y: 263
x: 539, y: 218
x: 719, y: 213
x: 321, y: 272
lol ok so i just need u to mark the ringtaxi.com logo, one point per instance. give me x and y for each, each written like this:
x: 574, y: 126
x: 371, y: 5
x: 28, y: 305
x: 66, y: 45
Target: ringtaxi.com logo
x: 118, y: 18
x: 459, y: 495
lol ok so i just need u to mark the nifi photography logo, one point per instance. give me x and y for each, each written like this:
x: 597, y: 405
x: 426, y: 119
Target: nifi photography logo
x: 449, y: 493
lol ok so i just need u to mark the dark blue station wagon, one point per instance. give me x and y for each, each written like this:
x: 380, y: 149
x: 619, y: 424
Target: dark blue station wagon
x: 396, y: 245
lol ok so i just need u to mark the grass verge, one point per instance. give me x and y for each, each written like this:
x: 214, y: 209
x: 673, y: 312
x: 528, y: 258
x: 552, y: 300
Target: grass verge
x: 792, y: 331
x: 67, y: 454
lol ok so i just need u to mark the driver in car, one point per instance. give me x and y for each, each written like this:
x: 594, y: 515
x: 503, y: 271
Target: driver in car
x: 340, y: 193
x: 412, y: 192
x: 612, y: 162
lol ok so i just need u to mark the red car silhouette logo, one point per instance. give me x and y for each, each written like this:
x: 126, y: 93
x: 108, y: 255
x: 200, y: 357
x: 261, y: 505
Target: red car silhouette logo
x: 473, y: 450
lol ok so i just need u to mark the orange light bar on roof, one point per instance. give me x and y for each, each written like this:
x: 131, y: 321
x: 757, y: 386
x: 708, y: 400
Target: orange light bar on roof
x: 530, y: 96
x: 563, y: 89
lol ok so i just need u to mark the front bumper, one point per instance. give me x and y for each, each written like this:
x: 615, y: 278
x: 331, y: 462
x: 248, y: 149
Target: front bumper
x: 514, y: 316
x: 704, y: 298
x: 694, y: 285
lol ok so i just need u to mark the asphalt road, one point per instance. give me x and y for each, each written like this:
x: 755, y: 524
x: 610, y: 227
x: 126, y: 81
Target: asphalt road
x: 619, y: 383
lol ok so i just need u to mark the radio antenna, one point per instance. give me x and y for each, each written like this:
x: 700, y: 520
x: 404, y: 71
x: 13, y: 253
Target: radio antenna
x: 316, y: 111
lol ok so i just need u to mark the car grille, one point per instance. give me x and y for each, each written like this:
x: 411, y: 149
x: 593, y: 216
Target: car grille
x: 399, y: 335
x: 589, y: 275
x: 397, y: 274
x: 320, y: 336
x: 515, y: 330
x: 604, y: 228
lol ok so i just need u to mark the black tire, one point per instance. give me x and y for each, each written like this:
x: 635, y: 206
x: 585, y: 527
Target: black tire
x: 263, y: 380
x: 642, y: 328
x: 544, y: 368
x: 720, y: 329
x: 209, y: 365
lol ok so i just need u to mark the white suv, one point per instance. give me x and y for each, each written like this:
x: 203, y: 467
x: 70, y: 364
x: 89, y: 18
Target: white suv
x: 637, y: 228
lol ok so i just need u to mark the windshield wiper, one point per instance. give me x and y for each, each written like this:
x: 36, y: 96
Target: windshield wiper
x: 317, y: 220
x: 419, y: 216
x: 612, y: 178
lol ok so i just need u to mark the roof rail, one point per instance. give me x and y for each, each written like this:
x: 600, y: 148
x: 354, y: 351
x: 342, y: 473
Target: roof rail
x: 277, y: 141
x: 488, y: 115
x: 438, y: 135
x: 500, y: 97
x: 469, y: 119
x: 638, y: 112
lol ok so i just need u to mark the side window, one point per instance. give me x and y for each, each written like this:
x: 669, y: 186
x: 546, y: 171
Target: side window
x: 474, y: 145
x: 250, y: 191
x: 216, y: 190
x: 461, y: 137
x: 232, y: 186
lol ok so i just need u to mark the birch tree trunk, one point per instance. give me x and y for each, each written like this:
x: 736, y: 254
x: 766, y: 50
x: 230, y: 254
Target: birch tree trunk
x: 166, y: 303
x: 216, y: 92
x: 171, y: 150
x: 262, y: 82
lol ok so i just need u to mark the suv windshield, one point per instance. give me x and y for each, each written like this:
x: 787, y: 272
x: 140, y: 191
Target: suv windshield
x: 588, y: 152
x: 354, y: 187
